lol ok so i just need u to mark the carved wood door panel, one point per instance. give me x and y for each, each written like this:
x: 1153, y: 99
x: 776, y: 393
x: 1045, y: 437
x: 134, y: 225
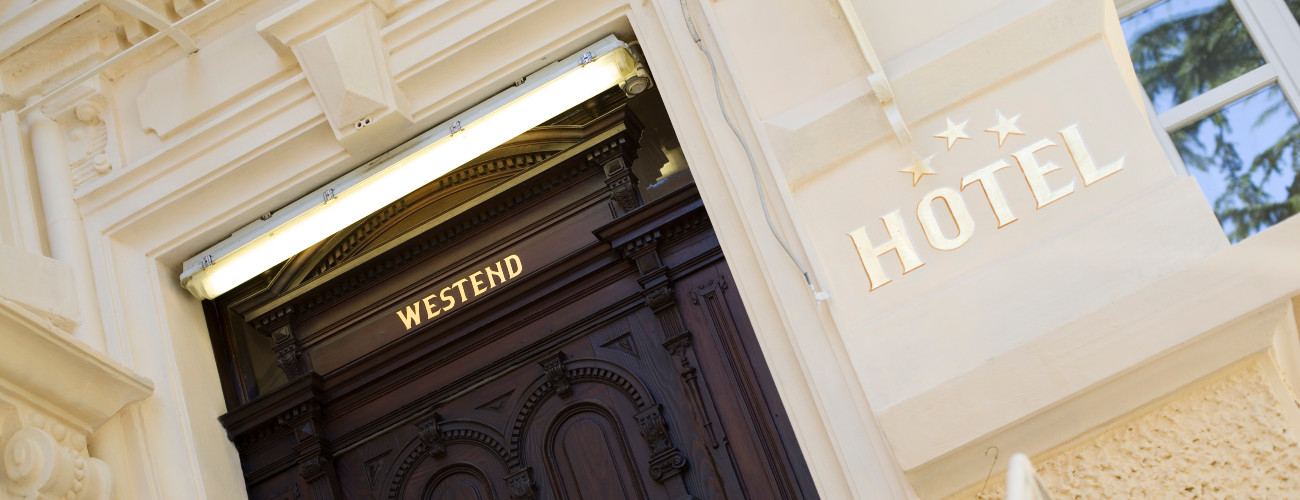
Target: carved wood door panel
x: 585, y: 421
x: 621, y: 412
x: 618, y: 364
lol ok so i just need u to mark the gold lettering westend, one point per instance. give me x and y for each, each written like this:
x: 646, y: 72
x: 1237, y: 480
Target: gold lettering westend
x: 480, y: 282
x: 929, y: 212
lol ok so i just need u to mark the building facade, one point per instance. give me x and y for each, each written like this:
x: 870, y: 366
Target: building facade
x: 958, y: 229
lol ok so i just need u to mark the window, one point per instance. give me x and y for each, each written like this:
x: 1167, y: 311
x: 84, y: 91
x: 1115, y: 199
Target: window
x: 1220, y: 82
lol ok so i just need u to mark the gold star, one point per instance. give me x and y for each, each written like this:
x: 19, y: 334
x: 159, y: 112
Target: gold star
x: 920, y: 167
x: 1006, y: 126
x: 953, y: 132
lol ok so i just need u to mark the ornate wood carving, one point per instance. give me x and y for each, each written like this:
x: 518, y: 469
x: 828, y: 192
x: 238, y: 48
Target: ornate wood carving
x: 659, y: 297
x: 665, y: 460
x: 315, y: 463
x: 431, y: 435
x: 278, y: 325
x: 292, y: 362
x: 521, y: 484
x: 615, y: 157
x: 557, y: 375
x: 680, y: 348
x: 548, y: 372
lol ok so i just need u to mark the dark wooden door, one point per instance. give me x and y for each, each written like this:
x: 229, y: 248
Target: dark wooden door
x: 618, y: 364
x: 621, y: 412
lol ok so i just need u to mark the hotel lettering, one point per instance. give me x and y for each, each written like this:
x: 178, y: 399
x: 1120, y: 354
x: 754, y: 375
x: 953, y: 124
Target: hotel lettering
x: 950, y: 202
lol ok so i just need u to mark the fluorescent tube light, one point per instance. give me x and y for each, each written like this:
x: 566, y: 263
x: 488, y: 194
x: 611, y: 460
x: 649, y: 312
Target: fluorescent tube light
x: 359, y: 193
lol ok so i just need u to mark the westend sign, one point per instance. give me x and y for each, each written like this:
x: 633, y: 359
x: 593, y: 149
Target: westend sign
x: 955, y: 208
x: 461, y: 291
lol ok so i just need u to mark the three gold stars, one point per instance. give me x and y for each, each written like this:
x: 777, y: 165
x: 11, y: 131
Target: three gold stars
x: 1005, y: 127
x: 919, y: 168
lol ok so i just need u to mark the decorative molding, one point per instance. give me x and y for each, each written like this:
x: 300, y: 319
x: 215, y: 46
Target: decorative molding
x: 374, y: 468
x: 359, y: 237
x: 615, y: 157
x: 312, y: 468
x: 346, y: 63
x: 496, y: 405
x: 521, y: 484
x: 496, y: 166
x: 273, y: 320
x: 581, y: 371
x: 667, y: 234
x: 43, y: 439
x: 456, y: 431
x: 292, y: 362
x: 58, y: 56
x: 431, y: 436
x: 37, y: 466
x: 623, y: 343
x: 427, y: 243
x: 720, y: 285
x: 680, y: 348
x: 86, y: 119
x: 42, y: 359
x: 665, y: 459
x: 315, y: 461
x: 659, y: 297
x: 557, y: 375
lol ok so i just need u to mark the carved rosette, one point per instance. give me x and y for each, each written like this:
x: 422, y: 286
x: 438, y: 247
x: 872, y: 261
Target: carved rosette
x: 666, y: 460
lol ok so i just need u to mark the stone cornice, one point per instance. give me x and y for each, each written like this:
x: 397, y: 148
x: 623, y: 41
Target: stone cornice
x: 57, y: 375
x: 28, y: 24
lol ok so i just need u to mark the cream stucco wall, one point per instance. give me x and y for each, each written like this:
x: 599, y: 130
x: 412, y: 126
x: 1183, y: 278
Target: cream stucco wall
x: 1231, y: 434
x: 1027, y: 336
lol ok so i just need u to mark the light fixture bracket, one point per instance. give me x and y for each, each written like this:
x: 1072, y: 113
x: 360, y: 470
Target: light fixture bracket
x: 535, y: 98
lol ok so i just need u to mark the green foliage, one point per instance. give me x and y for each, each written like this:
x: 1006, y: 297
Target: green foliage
x: 1188, y: 55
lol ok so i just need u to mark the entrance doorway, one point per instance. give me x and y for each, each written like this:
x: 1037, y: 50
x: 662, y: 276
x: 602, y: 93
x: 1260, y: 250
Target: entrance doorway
x: 552, y: 320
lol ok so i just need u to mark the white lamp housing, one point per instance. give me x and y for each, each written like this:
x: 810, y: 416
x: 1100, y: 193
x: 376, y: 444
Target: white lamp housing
x: 544, y: 94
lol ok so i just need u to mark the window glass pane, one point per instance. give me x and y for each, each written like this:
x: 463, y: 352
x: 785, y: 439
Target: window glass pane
x: 1182, y: 48
x: 1245, y: 157
x: 1295, y: 8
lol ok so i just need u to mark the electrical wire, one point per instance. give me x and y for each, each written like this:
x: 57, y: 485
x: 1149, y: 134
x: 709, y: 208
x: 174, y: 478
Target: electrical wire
x: 749, y: 155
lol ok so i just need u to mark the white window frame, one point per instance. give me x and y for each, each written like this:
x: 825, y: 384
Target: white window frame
x: 1276, y: 34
